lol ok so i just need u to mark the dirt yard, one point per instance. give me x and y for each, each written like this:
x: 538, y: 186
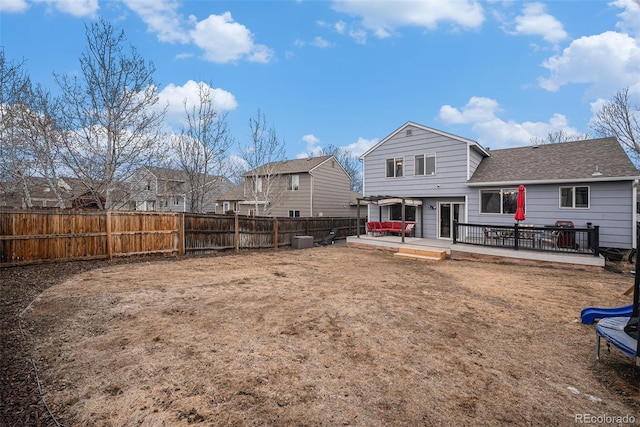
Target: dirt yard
x: 327, y: 336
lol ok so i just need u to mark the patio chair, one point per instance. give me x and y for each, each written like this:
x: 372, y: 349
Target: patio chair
x: 491, y: 233
x: 550, y: 239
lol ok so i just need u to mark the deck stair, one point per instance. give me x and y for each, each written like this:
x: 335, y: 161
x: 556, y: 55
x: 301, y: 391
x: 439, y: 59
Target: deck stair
x: 431, y: 254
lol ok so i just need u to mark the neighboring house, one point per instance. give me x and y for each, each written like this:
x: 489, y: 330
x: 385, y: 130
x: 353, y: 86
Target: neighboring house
x: 453, y: 178
x: 167, y: 190
x: 317, y: 186
x: 12, y: 195
x: 74, y: 192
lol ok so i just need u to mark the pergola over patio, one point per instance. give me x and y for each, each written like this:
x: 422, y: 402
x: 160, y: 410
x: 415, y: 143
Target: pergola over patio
x: 391, y: 200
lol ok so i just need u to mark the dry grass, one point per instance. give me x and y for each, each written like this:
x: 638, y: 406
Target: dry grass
x: 328, y: 336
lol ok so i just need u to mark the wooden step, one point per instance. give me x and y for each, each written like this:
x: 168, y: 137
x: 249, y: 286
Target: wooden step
x: 421, y: 254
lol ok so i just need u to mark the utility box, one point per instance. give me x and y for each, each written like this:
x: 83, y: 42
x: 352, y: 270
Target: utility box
x: 301, y: 242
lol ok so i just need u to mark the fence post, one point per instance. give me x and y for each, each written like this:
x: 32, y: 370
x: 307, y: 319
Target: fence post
x: 181, y: 243
x: 109, y: 242
x: 236, y: 233
x: 275, y: 232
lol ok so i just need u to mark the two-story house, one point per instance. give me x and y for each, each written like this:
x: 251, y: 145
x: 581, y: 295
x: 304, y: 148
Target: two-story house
x: 451, y: 178
x: 316, y: 186
x: 170, y: 190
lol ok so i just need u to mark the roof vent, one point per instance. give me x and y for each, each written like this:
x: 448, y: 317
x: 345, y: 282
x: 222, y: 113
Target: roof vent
x: 596, y: 172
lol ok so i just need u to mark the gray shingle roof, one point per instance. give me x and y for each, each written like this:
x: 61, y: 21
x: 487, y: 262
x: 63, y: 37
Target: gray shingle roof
x: 290, y: 166
x: 234, y: 193
x: 576, y: 160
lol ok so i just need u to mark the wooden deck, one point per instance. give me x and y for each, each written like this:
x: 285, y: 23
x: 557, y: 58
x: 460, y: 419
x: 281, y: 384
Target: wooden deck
x: 460, y: 251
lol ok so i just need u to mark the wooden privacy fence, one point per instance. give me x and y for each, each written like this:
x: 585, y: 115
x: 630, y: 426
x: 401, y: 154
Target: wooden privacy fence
x: 33, y: 236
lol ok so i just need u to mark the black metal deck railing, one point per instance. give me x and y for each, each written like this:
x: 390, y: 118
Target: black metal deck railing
x: 561, y: 239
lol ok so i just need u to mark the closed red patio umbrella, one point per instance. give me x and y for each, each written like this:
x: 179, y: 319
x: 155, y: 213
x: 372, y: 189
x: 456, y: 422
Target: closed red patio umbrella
x: 519, y: 216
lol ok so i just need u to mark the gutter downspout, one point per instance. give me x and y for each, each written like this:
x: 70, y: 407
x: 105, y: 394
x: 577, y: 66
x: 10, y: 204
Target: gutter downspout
x: 634, y: 207
x: 311, y: 195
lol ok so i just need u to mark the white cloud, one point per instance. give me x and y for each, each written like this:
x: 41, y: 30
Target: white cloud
x: 606, y: 61
x: 224, y: 40
x: 312, y: 148
x: 535, y: 21
x: 219, y: 36
x: 478, y: 109
x: 174, y: 96
x: 597, y: 105
x: 79, y: 8
x: 497, y: 133
x: 382, y: 18
x: 340, y: 27
x: 13, y: 6
x: 161, y: 17
x: 320, y: 42
x: 356, y: 148
x: 359, y: 36
x: 630, y: 17
x: 359, y: 147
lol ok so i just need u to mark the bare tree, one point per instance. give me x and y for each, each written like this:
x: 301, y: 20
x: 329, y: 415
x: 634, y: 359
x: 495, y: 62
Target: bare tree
x: 110, y: 128
x: 348, y: 161
x: 618, y: 118
x: 262, y: 157
x: 38, y: 123
x: 560, y: 136
x: 202, y: 148
x: 17, y: 161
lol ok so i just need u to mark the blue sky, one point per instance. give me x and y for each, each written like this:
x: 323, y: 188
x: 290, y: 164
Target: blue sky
x: 348, y: 73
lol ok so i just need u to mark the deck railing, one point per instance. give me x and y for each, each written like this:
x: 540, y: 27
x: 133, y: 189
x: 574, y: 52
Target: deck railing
x: 546, y: 238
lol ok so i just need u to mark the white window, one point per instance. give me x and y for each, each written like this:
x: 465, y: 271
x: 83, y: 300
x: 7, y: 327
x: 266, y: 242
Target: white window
x: 499, y: 200
x: 293, y: 182
x: 395, y: 167
x: 574, y: 197
x: 258, y: 185
x: 425, y: 164
x: 225, y: 207
x: 294, y: 213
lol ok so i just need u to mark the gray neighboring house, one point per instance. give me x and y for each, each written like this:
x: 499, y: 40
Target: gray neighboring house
x: 454, y: 178
x: 312, y: 187
x: 12, y: 194
x: 167, y: 190
x: 74, y: 193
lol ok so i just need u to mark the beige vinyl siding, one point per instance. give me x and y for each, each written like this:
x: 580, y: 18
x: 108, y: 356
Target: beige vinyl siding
x: 294, y: 200
x: 331, y: 189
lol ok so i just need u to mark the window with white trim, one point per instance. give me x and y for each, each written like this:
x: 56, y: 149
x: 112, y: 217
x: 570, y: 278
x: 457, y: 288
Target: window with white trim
x: 425, y: 164
x: 294, y: 213
x: 574, y: 197
x: 293, y: 182
x: 395, y: 167
x: 499, y: 201
x: 258, y: 185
